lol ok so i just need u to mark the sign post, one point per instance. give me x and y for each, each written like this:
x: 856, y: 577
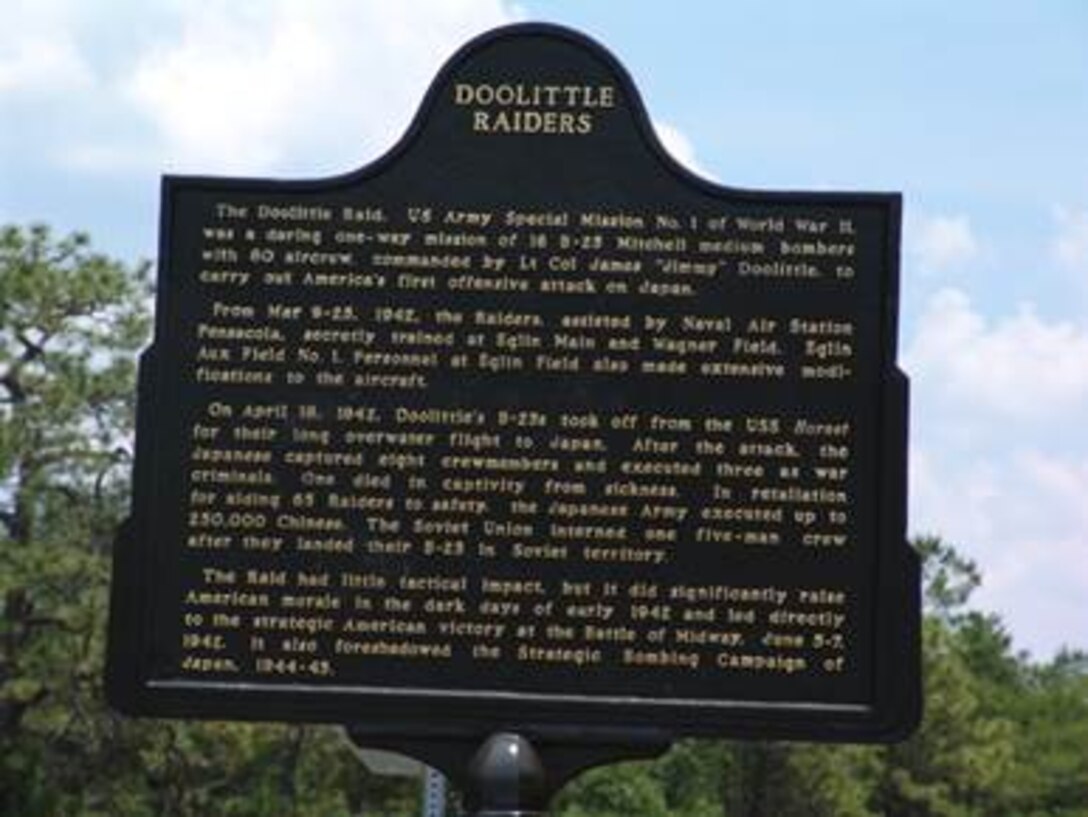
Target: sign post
x: 522, y: 437
x: 434, y: 793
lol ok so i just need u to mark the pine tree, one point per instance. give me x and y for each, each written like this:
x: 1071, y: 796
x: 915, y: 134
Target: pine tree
x: 70, y: 322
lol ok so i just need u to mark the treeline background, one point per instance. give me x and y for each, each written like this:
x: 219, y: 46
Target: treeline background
x: 1002, y: 734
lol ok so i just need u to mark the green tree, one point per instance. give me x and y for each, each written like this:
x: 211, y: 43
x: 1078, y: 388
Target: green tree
x: 1056, y: 738
x: 71, y: 321
x: 618, y: 790
x: 962, y: 758
x: 959, y: 761
x: 1049, y: 711
x: 1047, y: 706
x: 764, y: 778
x: 691, y: 777
x: 948, y: 578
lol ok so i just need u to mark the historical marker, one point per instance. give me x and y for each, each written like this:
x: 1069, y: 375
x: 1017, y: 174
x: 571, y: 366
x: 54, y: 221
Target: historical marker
x: 523, y: 424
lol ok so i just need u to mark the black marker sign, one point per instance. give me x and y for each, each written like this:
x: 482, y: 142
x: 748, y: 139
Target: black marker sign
x: 523, y: 423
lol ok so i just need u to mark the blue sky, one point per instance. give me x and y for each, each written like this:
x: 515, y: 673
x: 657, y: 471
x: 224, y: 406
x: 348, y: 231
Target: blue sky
x: 976, y: 110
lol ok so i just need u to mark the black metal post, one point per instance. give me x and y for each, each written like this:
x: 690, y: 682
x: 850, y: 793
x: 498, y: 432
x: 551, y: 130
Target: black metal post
x: 514, y: 773
x: 507, y: 778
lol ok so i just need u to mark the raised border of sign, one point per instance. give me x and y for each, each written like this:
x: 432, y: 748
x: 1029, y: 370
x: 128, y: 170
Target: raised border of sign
x: 895, y: 706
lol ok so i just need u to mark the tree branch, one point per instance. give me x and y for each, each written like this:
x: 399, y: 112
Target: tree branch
x: 10, y: 520
x: 288, y: 779
x: 31, y: 352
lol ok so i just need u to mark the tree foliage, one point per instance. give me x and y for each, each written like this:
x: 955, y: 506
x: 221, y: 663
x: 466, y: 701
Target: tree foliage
x: 1002, y: 736
x: 71, y: 322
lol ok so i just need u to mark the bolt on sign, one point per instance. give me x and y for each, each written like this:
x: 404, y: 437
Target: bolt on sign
x: 522, y: 423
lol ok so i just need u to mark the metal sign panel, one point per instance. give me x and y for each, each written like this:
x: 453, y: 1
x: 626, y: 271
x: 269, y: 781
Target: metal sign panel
x: 523, y: 423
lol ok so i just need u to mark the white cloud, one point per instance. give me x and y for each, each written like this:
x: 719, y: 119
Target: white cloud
x: 956, y: 503
x: 247, y: 87
x: 38, y: 65
x: 999, y: 458
x: 1018, y: 366
x: 1071, y: 244
x: 244, y: 87
x: 679, y: 147
x: 939, y: 243
x: 38, y: 49
x: 1022, y: 516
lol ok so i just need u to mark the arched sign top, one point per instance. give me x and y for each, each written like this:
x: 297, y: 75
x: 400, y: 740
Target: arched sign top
x: 542, y: 87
